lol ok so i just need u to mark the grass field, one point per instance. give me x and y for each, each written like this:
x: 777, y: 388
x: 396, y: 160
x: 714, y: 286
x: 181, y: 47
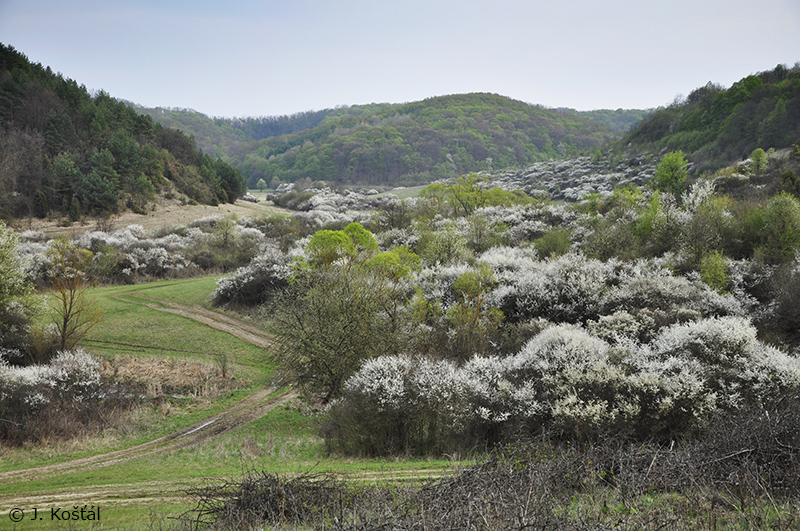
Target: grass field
x: 405, y: 193
x: 140, y: 489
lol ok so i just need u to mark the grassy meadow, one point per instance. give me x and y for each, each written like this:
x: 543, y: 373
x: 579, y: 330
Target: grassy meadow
x: 139, y: 492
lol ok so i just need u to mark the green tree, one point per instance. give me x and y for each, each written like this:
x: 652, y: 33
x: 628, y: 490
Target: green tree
x: 671, y: 173
x: 759, y: 158
x: 354, y: 243
x: 343, y: 306
x: 473, y: 323
x: 714, y: 271
x: 74, y: 210
x: 470, y: 192
x: 780, y: 232
x: 40, y: 206
x: 261, y: 184
x: 325, y: 325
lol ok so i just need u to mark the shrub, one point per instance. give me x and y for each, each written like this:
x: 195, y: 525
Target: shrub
x: 256, y: 282
x: 54, y: 400
x: 443, y: 247
x: 713, y: 271
x: 17, y: 303
x: 555, y: 243
x: 668, y: 296
x: 671, y: 173
x: 782, y: 314
x: 566, y: 379
x: 564, y: 289
x: 727, y: 358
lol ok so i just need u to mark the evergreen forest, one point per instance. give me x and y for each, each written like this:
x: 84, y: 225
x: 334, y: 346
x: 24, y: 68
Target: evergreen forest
x: 68, y: 152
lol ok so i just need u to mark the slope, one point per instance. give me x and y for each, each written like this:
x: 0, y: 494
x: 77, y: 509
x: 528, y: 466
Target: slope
x: 417, y: 142
x: 64, y: 151
x: 717, y: 127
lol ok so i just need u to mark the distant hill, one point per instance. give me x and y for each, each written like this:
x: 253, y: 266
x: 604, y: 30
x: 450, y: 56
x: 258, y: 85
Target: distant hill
x: 221, y: 136
x: 64, y: 151
x: 716, y: 127
x: 395, y: 143
x: 619, y: 121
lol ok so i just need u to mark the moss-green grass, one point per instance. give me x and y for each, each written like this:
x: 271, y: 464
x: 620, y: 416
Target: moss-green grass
x: 405, y: 193
x: 283, y: 441
x: 130, y: 327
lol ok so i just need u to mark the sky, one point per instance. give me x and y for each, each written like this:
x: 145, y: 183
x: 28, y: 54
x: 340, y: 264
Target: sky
x: 240, y: 58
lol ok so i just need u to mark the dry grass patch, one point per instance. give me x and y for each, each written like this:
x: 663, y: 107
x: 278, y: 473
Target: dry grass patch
x: 157, y: 377
x: 162, y: 213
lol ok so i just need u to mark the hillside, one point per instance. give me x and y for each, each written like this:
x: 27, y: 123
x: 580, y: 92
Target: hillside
x: 399, y: 143
x: 416, y: 142
x: 221, y: 136
x: 717, y: 127
x: 64, y: 151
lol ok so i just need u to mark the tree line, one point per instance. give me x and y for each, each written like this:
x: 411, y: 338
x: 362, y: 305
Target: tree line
x: 436, y: 138
x: 716, y: 127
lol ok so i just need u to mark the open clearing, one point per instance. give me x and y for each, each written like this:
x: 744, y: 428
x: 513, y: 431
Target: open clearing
x: 262, y: 428
x: 163, y: 213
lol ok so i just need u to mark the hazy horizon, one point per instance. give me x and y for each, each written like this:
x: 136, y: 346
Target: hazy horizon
x: 247, y: 58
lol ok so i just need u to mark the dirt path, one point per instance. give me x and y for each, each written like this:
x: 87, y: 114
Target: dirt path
x: 255, y: 406
x: 219, y: 321
x: 251, y: 408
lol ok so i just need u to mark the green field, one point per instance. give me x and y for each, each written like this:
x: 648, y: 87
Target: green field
x: 140, y: 489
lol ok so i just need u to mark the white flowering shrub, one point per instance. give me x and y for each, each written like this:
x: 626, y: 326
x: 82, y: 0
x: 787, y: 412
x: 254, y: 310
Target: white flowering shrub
x: 40, y: 401
x: 255, y: 282
x: 568, y: 288
x: 395, y: 237
x: 74, y: 374
x: 622, y: 325
x: 524, y: 223
x: 700, y: 192
x: 583, y: 387
x: 566, y: 379
x: 436, y: 283
x: 732, y: 363
x: 662, y: 292
x: 510, y: 260
x: 206, y: 223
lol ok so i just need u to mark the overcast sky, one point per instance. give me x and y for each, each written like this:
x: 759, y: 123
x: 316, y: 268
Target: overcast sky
x: 272, y: 57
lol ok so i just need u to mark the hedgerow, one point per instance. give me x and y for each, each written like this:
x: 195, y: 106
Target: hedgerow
x: 566, y: 379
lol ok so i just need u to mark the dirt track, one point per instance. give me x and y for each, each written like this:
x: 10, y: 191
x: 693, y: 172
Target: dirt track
x: 251, y: 408
x: 219, y: 321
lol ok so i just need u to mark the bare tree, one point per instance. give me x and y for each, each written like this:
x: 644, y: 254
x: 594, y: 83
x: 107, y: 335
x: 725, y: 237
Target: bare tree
x: 73, y: 313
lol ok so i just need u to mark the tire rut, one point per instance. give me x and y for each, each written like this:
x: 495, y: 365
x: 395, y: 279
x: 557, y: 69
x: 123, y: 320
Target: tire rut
x: 246, y: 411
x: 254, y: 406
x: 219, y: 321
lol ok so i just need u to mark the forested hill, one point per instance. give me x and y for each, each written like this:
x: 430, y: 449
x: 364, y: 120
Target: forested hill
x: 66, y: 151
x: 397, y: 143
x: 416, y: 142
x: 220, y: 136
x: 716, y: 127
